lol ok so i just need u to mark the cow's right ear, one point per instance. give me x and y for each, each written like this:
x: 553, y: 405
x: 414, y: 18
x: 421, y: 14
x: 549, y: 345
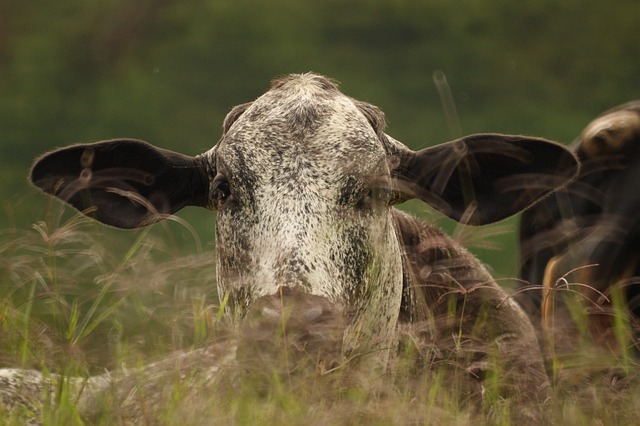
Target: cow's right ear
x: 483, y: 178
x: 123, y: 183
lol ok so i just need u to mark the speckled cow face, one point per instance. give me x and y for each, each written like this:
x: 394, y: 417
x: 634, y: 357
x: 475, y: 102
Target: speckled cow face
x: 302, y: 202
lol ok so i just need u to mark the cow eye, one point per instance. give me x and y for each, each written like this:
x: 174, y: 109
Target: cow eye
x: 379, y: 195
x: 220, y: 191
x: 373, y: 197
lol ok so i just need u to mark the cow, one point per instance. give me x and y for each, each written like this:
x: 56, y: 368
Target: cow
x: 303, y: 182
x: 585, y: 238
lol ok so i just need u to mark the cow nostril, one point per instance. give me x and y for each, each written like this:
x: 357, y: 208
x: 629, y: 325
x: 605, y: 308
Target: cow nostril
x: 312, y: 313
x: 270, y: 313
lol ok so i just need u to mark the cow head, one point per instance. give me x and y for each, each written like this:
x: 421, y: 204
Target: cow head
x: 303, y: 180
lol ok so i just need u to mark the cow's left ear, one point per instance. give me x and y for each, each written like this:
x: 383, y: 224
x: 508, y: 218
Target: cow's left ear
x: 123, y: 183
x: 484, y: 178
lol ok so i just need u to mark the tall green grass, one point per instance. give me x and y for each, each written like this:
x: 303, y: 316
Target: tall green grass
x: 74, y: 290
x: 77, y: 299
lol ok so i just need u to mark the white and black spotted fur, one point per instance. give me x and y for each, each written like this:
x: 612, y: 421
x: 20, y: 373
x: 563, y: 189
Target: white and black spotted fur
x: 303, y: 181
x: 308, y: 204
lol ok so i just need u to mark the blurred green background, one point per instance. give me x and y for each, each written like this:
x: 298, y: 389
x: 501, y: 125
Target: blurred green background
x: 167, y: 71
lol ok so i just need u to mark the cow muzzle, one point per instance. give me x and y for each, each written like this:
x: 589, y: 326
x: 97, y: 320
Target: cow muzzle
x: 291, y: 331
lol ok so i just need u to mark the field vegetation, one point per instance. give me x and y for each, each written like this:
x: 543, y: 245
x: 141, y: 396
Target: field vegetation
x: 78, y: 299
x: 77, y: 303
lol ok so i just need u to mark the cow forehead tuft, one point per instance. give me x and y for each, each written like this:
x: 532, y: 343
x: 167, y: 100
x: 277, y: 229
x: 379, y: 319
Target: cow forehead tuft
x: 307, y: 79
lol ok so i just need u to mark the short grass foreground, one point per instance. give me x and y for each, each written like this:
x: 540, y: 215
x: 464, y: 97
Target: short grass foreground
x: 133, y: 315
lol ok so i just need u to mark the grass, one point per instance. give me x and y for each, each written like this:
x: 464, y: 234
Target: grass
x: 77, y: 300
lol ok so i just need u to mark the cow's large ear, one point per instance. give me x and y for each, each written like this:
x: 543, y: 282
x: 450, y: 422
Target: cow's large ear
x: 123, y: 183
x: 483, y: 178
